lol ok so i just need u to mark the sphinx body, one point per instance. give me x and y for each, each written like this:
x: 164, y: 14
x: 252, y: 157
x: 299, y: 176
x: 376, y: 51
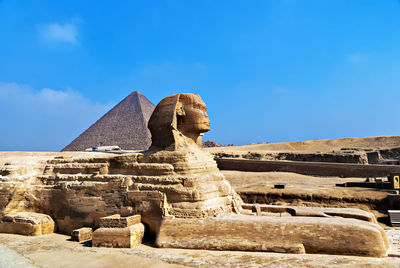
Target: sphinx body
x: 180, y: 193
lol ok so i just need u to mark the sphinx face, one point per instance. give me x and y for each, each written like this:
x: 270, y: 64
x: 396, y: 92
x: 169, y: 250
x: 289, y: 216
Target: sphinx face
x: 179, y: 119
x: 193, y: 118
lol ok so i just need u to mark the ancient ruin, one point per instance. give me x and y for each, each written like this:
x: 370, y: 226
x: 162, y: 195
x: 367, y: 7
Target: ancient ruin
x: 125, y: 125
x: 182, y: 197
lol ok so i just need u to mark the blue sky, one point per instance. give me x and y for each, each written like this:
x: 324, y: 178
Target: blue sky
x: 268, y: 71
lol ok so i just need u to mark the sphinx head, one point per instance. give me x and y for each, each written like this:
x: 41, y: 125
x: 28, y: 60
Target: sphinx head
x: 179, y: 120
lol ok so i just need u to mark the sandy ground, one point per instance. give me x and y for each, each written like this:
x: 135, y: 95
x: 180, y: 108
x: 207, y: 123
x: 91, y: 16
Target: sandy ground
x: 330, y: 145
x: 298, y: 183
x: 303, y: 190
x: 57, y: 251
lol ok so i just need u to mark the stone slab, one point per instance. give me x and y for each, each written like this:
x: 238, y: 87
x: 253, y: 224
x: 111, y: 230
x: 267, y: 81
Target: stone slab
x: 339, y: 236
x: 27, y: 223
x: 116, y: 221
x: 128, y: 237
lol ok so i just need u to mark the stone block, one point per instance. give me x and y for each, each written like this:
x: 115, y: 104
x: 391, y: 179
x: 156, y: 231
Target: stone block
x: 128, y: 237
x: 116, y: 221
x: 27, y: 223
x: 334, y: 235
x: 82, y: 234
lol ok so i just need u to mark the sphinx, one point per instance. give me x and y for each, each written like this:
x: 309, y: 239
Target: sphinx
x: 174, y: 177
x: 183, y: 198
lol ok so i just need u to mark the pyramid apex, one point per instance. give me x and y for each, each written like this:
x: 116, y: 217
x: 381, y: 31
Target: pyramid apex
x: 136, y: 92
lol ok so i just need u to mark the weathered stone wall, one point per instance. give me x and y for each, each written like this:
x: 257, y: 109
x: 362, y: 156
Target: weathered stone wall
x: 335, y: 157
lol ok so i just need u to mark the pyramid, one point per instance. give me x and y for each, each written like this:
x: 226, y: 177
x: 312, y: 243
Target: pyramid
x: 124, y: 125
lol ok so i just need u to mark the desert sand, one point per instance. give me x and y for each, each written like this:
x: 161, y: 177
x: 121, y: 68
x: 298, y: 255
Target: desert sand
x: 319, y: 145
x: 48, y: 250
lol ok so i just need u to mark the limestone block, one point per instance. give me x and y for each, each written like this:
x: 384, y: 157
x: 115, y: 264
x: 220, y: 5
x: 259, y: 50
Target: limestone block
x: 82, y: 234
x: 116, y: 221
x: 27, y: 223
x: 128, y: 237
x: 340, y: 236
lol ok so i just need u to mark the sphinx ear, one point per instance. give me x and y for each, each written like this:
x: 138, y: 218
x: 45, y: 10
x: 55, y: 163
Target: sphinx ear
x: 179, y: 109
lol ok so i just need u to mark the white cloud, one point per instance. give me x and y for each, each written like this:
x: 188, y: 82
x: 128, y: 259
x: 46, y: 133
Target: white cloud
x: 45, y: 119
x: 60, y: 32
x: 54, y: 95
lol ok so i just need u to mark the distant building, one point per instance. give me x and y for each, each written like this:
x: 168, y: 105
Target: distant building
x: 103, y: 149
x: 125, y: 126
